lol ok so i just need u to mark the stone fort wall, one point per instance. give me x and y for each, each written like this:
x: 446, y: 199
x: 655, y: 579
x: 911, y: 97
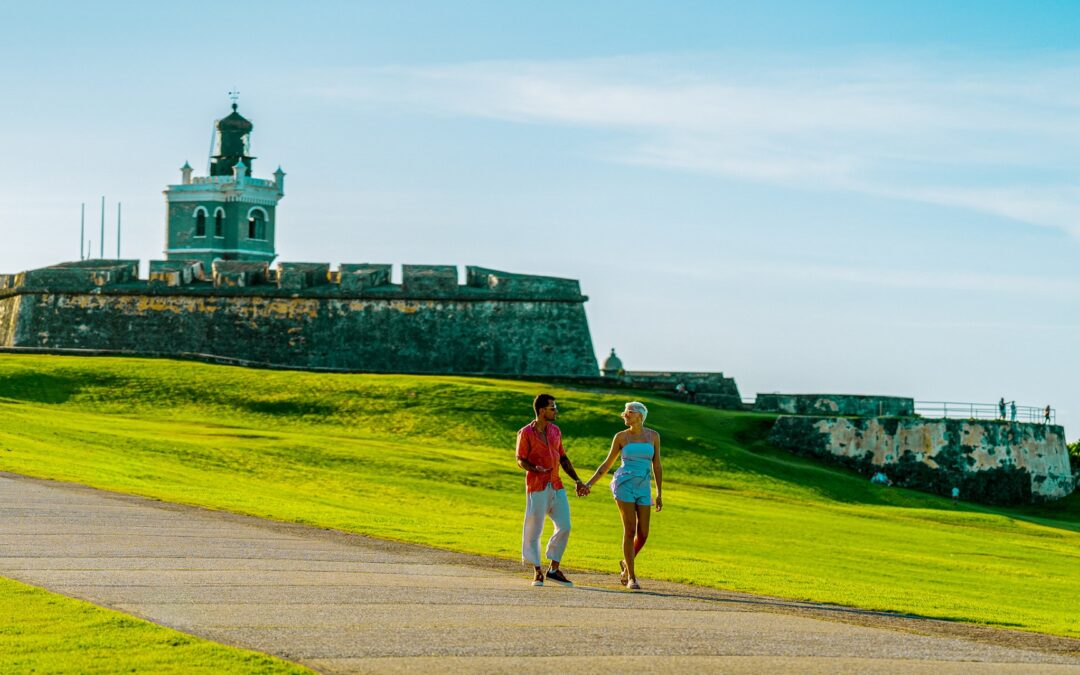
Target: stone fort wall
x: 989, y: 461
x: 305, y: 315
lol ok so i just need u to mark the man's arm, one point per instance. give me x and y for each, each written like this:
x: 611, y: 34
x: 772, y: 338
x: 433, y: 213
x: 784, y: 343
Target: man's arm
x: 582, y: 489
x: 535, y: 468
x: 522, y: 454
x: 564, y: 462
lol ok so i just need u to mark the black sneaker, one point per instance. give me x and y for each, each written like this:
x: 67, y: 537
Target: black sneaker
x: 558, y: 577
x: 538, y: 578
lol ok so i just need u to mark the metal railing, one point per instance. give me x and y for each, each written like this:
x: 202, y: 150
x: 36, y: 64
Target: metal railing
x: 985, y: 411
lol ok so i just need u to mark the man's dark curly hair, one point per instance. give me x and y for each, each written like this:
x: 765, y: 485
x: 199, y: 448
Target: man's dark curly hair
x: 541, y: 402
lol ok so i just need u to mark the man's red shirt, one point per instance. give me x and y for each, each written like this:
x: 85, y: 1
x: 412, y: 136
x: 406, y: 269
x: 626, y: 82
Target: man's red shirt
x: 543, y: 450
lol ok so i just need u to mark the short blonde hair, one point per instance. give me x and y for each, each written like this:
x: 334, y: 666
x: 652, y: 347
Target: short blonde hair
x: 638, y: 407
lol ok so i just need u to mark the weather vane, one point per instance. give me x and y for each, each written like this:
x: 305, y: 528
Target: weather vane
x: 234, y: 95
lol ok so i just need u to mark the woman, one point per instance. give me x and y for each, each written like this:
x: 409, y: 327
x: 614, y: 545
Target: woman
x: 640, y: 451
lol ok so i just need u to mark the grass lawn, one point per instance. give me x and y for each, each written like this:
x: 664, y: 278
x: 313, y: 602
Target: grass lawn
x: 42, y: 632
x: 430, y: 460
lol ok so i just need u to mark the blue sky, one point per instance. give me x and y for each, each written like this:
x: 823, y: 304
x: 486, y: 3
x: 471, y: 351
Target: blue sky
x: 833, y: 196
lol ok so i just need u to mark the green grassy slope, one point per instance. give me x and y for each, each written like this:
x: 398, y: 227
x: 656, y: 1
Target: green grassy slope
x: 430, y: 460
x: 42, y: 632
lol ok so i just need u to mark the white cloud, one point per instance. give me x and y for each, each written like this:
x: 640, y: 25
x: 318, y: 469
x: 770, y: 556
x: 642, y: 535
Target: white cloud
x: 793, y: 274
x: 996, y: 137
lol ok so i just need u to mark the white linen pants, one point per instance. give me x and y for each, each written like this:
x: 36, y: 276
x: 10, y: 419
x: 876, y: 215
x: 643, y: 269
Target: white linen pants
x: 548, y: 502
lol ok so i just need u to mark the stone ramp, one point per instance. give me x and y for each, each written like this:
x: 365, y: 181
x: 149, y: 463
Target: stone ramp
x: 344, y: 603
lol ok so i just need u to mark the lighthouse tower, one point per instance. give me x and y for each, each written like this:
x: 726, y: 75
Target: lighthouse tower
x: 228, y: 215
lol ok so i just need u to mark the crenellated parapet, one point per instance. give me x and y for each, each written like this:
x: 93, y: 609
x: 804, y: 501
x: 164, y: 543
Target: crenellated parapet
x: 295, y: 279
x: 522, y: 284
x: 79, y: 275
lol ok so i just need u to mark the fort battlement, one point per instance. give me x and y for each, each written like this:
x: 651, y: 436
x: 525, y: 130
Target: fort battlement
x: 179, y: 277
x: 307, y: 315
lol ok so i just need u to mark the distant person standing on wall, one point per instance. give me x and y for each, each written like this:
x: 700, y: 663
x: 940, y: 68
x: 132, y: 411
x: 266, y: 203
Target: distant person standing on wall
x: 631, y: 485
x: 540, y: 452
x: 1012, y: 411
x: 1001, y: 408
x: 1046, y: 414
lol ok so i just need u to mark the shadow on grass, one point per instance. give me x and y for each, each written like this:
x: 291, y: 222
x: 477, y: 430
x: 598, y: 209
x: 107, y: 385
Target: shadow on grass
x: 289, y: 408
x: 52, y: 388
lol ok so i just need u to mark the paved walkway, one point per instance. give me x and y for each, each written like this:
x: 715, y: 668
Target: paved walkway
x: 344, y: 603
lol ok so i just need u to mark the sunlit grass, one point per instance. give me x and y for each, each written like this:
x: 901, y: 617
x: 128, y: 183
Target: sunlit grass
x: 430, y: 460
x: 42, y: 632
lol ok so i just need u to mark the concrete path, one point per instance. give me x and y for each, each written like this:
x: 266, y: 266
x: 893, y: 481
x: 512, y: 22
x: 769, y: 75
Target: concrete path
x: 342, y: 603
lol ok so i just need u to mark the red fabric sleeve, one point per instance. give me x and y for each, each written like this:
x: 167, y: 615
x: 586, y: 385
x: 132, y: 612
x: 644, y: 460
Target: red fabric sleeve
x: 522, y: 446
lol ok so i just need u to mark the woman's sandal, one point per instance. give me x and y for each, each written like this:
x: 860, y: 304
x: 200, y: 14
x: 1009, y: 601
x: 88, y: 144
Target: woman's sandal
x: 624, y: 575
x: 633, y: 585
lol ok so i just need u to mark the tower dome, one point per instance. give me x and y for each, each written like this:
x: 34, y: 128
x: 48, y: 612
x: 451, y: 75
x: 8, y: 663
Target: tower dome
x: 232, y: 144
x: 235, y: 123
x: 612, y: 365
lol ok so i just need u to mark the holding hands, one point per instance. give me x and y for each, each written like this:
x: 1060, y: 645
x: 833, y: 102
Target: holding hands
x: 583, y: 489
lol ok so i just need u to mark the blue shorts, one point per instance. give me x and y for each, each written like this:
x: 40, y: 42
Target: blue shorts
x: 633, y: 489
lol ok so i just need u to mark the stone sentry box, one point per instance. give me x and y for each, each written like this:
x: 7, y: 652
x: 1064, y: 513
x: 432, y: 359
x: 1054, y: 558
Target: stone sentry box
x: 305, y: 315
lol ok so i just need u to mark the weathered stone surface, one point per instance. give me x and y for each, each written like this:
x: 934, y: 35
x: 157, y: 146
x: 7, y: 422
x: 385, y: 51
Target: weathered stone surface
x: 710, y: 389
x: 835, y: 404
x: 239, y: 273
x: 358, y: 278
x: 521, y: 284
x: 296, y: 276
x: 176, y: 272
x: 429, y: 278
x: 384, y: 328
x: 82, y: 274
x: 990, y: 461
x: 9, y: 314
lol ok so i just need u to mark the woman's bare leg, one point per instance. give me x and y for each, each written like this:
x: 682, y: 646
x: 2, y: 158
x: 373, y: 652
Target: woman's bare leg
x: 643, y: 512
x: 629, y: 515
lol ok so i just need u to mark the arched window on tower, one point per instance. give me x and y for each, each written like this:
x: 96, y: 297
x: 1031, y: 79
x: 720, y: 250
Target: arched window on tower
x: 200, y: 222
x: 219, y: 222
x: 257, y: 224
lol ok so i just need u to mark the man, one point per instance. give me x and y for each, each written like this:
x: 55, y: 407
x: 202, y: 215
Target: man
x: 540, y: 452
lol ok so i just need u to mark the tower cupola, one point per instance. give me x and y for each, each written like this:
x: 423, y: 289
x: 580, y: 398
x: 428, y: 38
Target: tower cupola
x: 232, y: 144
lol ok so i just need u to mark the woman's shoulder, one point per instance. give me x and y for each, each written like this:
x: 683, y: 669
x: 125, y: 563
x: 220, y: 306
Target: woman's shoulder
x: 652, y: 434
